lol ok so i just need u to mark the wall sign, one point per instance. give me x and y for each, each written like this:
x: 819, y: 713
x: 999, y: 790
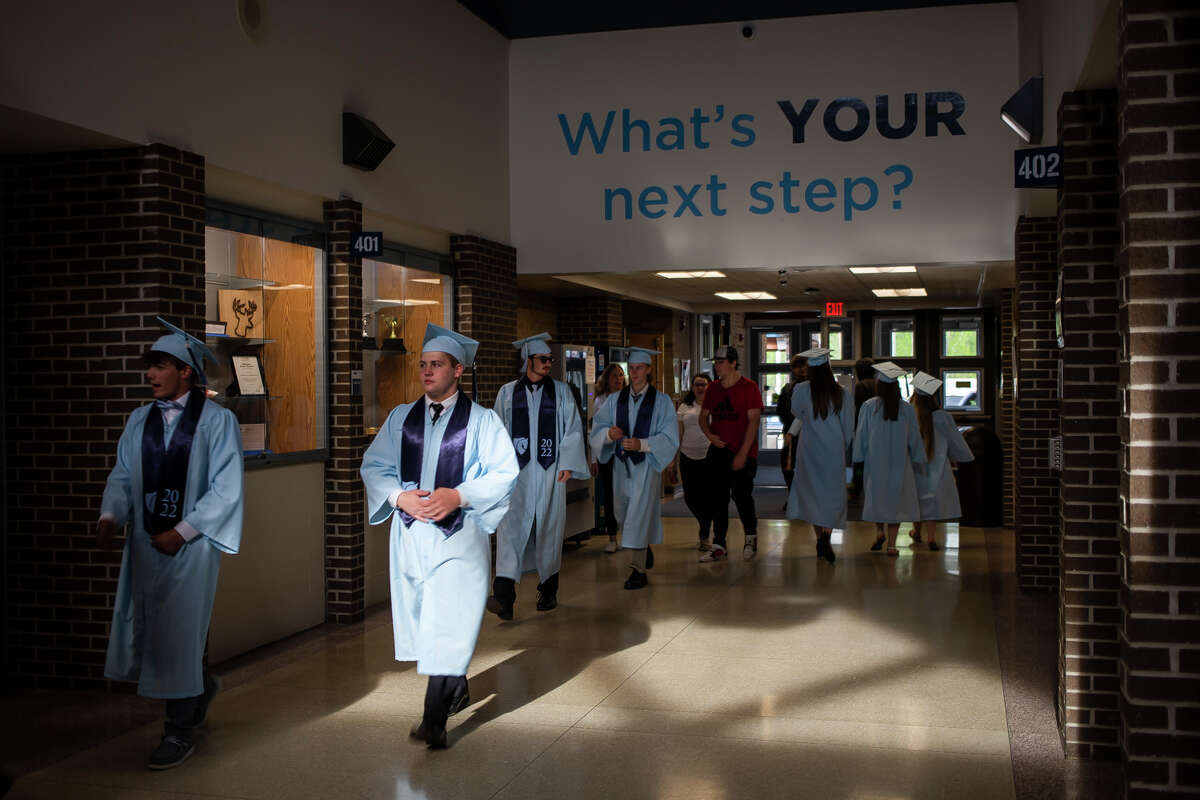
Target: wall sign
x: 835, y: 308
x: 1037, y: 167
x: 367, y: 244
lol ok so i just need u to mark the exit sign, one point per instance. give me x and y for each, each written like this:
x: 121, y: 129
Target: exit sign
x: 833, y: 309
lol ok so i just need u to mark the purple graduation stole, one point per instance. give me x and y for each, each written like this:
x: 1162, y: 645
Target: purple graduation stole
x: 641, y: 428
x: 451, y: 456
x: 165, y: 467
x: 547, y: 444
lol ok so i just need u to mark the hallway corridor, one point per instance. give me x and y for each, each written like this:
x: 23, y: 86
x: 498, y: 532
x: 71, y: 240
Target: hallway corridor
x: 777, y: 678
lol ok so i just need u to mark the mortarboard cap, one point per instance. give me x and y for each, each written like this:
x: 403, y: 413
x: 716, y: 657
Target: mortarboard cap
x: 443, y: 340
x: 816, y: 356
x: 535, y: 345
x: 187, y: 348
x: 926, y: 384
x: 889, y: 372
x: 641, y: 355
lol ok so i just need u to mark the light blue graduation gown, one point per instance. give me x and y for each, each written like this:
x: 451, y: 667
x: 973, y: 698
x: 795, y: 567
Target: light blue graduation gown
x: 819, y: 485
x: 637, y: 488
x: 936, y: 489
x: 440, y: 583
x: 164, y: 603
x: 888, y: 450
x: 539, y: 500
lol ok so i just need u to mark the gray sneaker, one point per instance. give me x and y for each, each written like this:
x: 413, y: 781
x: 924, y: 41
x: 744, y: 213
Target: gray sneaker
x: 171, y: 752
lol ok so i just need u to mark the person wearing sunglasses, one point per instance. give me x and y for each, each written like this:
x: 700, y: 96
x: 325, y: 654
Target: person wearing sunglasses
x: 542, y: 418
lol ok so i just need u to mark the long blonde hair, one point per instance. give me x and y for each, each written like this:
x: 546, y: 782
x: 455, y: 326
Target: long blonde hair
x: 602, y: 382
x: 925, y: 405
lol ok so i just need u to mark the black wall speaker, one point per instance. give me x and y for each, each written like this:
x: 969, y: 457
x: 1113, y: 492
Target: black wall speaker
x: 364, y: 146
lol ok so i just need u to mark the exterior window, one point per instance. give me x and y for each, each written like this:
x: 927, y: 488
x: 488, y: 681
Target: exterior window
x: 894, y: 337
x: 841, y: 339
x: 962, y: 337
x: 265, y: 322
x: 775, y: 348
x: 960, y: 390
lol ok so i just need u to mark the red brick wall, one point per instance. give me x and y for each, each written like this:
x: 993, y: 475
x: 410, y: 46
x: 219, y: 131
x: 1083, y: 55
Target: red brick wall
x: 96, y: 244
x: 1089, y: 575
x: 485, y: 287
x: 1036, y: 403
x: 1005, y: 422
x: 1159, y: 83
x: 591, y: 320
x: 345, y: 497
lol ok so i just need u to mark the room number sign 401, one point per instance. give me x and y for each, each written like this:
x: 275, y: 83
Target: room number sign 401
x: 367, y: 244
x: 1037, y: 167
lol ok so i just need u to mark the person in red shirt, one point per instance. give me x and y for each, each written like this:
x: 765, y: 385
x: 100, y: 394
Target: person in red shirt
x: 729, y: 418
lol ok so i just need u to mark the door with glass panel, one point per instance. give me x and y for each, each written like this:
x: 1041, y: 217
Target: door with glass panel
x: 771, y: 355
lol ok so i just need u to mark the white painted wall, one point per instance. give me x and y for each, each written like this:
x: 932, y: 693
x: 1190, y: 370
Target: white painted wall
x: 960, y: 205
x: 428, y: 72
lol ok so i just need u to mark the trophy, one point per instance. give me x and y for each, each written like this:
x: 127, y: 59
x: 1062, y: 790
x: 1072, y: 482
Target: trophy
x: 392, y: 323
x: 368, y: 335
x: 393, y: 340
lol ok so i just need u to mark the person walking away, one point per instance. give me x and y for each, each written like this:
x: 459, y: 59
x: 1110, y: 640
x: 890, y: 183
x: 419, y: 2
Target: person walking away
x: 611, y: 382
x: 177, y: 483
x: 637, y: 430
x: 936, y: 490
x: 441, y: 469
x: 542, y: 418
x: 888, y: 444
x: 693, y: 447
x: 729, y: 419
x: 864, y: 390
x: 783, y: 409
x: 824, y: 412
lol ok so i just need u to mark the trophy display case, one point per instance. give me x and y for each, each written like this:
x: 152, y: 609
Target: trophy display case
x: 265, y: 323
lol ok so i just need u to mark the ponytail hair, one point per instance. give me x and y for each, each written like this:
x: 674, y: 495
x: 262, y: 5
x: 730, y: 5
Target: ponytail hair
x: 925, y: 405
x: 890, y: 392
x: 825, y: 391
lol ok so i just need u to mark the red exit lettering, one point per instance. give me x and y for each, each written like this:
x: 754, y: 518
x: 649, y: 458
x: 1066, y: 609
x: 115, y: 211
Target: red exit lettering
x: 833, y: 309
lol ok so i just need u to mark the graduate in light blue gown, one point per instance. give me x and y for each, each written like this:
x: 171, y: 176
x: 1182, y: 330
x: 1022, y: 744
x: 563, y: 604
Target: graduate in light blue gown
x: 177, y: 484
x: 442, y: 469
x: 638, y: 429
x: 825, y: 414
x: 542, y: 416
x: 936, y: 490
x: 888, y: 443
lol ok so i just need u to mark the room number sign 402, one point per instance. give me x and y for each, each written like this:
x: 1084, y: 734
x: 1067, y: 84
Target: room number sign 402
x: 1037, y: 167
x: 367, y: 244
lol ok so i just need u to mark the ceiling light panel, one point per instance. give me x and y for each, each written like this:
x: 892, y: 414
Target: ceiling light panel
x: 881, y: 270
x: 745, y: 295
x: 918, y: 292
x: 708, y: 273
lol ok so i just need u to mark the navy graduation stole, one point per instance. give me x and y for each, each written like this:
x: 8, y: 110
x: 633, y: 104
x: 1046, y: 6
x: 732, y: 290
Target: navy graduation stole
x: 165, y: 467
x: 451, y: 456
x: 547, y: 445
x: 641, y: 428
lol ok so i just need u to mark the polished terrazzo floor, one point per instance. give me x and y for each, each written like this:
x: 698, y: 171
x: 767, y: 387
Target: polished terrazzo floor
x: 782, y: 677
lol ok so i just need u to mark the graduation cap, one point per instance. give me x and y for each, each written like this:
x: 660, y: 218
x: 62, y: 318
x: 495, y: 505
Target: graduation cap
x: 187, y: 348
x: 533, y: 345
x: 926, y: 384
x: 889, y: 372
x: 641, y: 355
x: 443, y: 340
x: 816, y: 356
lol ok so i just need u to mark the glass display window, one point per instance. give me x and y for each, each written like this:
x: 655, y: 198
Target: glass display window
x: 962, y: 337
x: 265, y: 322
x: 960, y: 390
x: 895, y: 337
x: 398, y: 302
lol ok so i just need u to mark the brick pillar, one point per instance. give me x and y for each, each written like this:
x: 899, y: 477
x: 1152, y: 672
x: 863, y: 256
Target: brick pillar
x: 1089, y: 582
x: 96, y: 244
x: 1159, y: 92
x: 485, y: 288
x: 1005, y: 422
x: 1037, y: 404
x: 591, y: 320
x: 345, y: 497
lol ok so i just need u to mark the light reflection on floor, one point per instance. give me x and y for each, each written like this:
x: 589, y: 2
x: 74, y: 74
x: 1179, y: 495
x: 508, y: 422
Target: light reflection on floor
x: 780, y: 677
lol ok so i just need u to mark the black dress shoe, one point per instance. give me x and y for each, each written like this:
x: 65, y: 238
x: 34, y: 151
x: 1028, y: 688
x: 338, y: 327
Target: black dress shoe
x: 825, y: 551
x: 637, y: 580
x: 460, y: 702
x: 499, y: 609
x: 649, y: 558
x: 547, y: 602
x: 435, y: 737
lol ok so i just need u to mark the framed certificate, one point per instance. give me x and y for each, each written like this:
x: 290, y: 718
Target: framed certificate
x: 248, y: 375
x: 215, y: 328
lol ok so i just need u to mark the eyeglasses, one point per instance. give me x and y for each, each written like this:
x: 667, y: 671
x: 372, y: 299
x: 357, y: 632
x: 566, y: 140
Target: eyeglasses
x: 544, y: 359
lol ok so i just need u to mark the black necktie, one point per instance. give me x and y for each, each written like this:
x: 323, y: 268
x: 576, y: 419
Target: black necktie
x: 637, y: 395
x: 437, y: 410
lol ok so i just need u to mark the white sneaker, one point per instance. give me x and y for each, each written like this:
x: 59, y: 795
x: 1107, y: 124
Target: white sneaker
x: 716, y: 553
x: 751, y: 548
x: 611, y: 547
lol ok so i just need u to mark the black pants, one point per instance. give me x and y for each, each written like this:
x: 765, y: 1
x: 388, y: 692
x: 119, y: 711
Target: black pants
x: 604, y: 497
x: 694, y: 474
x: 440, y: 693
x: 182, y: 713
x: 723, y: 482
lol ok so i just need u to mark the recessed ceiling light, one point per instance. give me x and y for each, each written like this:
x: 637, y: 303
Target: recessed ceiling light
x: 918, y: 292
x: 708, y: 273
x: 877, y: 270
x: 745, y: 295
x: 426, y: 280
